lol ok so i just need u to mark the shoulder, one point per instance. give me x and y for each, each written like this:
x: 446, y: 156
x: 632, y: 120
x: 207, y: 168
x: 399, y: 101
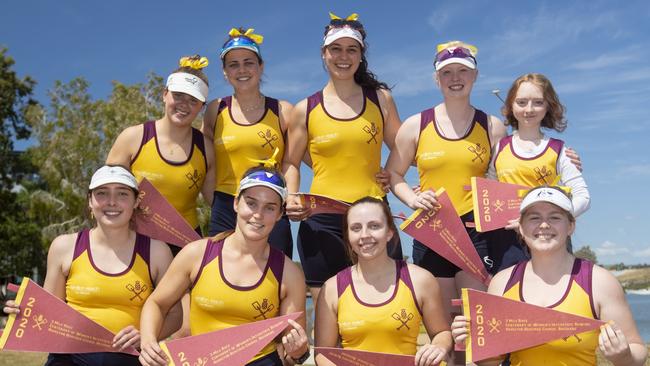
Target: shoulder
x: 285, y: 105
x: 604, y: 282
x: 213, y: 106
x: 159, y: 252
x: 292, y: 273
x: 384, y: 96
x: 132, y: 133
x: 329, y: 291
x: 499, y: 281
x: 496, y: 128
x: 63, y: 244
x: 420, y: 276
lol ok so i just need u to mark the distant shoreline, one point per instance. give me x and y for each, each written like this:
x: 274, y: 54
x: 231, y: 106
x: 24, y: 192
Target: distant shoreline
x: 645, y: 291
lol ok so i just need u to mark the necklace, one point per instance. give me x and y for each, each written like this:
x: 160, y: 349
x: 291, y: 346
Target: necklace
x: 444, y: 133
x: 254, y: 107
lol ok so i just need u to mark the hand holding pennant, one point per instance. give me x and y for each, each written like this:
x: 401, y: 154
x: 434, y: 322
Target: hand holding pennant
x: 444, y: 233
x: 228, y: 347
x: 499, y: 325
x: 495, y: 203
x: 322, y: 204
x: 348, y: 357
x: 158, y: 219
x: 47, y: 324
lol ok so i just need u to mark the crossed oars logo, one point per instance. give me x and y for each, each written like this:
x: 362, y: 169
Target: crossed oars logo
x: 137, y: 290
x: 403, y: 318
x: 566, y: 339
x: 478, y: 150
x: 542, y: 174
x: 494, y: 325
x: 39, y: 321
x: 201, y: 361
x: 498, y: 205
x: 373, y: 131
x: 269, y: 137
x: 436, y: 224
x: 194, y: 178
x: 262, y: 308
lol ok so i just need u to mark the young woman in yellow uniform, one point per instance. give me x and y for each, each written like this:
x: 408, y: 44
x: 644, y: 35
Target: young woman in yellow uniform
x: 241, y: 272
x: 169, y: 152
x: 99, y: 271
x: 341, y: 130
x: 379, y: 303
x: 245, y: 128
x: 554, y: 278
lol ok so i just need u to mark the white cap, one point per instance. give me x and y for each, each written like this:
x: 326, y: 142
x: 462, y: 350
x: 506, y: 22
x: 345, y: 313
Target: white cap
x: 112, y: 174
x: 183, y: 82
x: 470, y: 63
x: 547, y: 194
x: 341, y: 32
x: 265, y: 179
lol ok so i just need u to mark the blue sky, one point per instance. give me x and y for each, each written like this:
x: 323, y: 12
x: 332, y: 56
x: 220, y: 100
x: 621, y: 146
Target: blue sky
x: 595, y: 52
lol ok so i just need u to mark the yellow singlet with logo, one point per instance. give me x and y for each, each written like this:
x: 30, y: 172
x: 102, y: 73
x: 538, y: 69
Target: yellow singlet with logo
x: 390, y: 327
x: 451, y: 163
x: 217, y: 304
x: 236, y: 144
x: 535, y: 171
x: 576, y: 350
x: 112, y: 300
x: 345, y: 153
x: 179, y: 182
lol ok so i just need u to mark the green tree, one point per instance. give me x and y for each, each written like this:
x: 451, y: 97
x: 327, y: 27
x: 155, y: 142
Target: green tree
x: 20, y: 245
x: 586, y: 253
x: 74, y: 136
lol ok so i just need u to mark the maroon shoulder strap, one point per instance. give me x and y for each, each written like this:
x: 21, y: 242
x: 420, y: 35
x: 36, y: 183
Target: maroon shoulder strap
x: 582, y: 274
x: 272, y: 104
x: 82, y: 243
x: 212, y: 251
x: 503, y: 142
x: 143, y: 247
x: 516, y: 275
x: 371, y: 94
x: 405, y: 276
x: 555, y: 144
x: 225, y: 102
x: 313, y: 101
x: 197, y: 140
x: 148, y: 133
x: 343, y: 280
x: 427, y: 116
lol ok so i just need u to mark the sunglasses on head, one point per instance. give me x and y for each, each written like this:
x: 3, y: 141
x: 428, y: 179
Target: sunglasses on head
x: 458, y: 52
x: 344, y: 22
x: 268, y: 177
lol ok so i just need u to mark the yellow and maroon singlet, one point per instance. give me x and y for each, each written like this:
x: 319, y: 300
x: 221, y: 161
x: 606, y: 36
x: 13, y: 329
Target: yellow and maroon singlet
x: 345, y: 153
x: 535, y: 171
x: 217, y: 304
x: 451, y: 163
x: 179, y: 182
x: 576, y: 350
x: 236, y: 144
x: 112, y: 300
x: 392, y: 326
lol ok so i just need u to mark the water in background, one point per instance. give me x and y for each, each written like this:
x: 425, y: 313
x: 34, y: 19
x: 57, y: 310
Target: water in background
x: 640, y: 305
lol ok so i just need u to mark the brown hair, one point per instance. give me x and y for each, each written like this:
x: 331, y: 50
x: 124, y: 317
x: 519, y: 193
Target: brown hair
x: 554, y: 118
x: 196, y: 72
x: 387, y: 215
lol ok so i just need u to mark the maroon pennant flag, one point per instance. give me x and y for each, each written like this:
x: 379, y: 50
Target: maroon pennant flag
x: 495, y: 203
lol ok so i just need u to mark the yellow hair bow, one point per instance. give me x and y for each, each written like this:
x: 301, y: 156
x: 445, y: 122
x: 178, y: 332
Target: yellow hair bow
x: 270, y: 163
x: 194, y: 62
x: 257, y: 38
x: 352, y: 17
x: 454, y: 44
x: 522, y: 192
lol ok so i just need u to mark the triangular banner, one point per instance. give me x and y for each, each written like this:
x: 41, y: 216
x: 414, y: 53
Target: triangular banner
x: 158, y: 219
x: 495, y: 203
x: 232, y: 346
x: 499, y: 325
x: 322, y: 204
x: 348, y: 357
x: 47, y: 324
x: 444, y: 233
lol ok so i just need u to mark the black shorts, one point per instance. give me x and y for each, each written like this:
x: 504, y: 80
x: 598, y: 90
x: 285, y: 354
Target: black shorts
x: 441, y: 267
x: 92, y: 359
x: 223, y: 218
x: 322, y: 250
x: 505, y: 249
x: 272, y: 359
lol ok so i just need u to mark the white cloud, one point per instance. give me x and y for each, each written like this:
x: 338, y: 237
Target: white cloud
x: 636, y: 170
x: 605, y: 60
x: 609, y: 248
x: 642, y: 253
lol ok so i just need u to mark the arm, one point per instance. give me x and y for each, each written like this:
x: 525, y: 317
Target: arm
x: 492, y: 170
x: 497, y: 129
x: 619, y: 340
x: 207, y: 190
x: 294, y: 151
x: 175, y: 282
x: 326, y: 326
x: 572, y: 177
x: 293, y: 293
x: 209, y: 119
x: 126, y: 146
x: 399, y: 161
x: 391, y: 126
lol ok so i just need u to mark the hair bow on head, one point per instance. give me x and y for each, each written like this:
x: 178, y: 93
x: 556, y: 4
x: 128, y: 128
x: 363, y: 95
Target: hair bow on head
x: 270, y: 163
x: 195, y: 62
x: 257, y: 38
x: 456, y: 44
x: 556, y: 183
x: 352, y: 17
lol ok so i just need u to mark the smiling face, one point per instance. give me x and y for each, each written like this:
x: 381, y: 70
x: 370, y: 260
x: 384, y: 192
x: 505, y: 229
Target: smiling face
x: 456, y: 80
x: 546, y: 227
x: 242, y: 69
x: 181, y: 109
x: 112, y: 204
x: 342, y: 58
x: 529, y: 106
x: 258, y: 209
x: 368, y: 232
